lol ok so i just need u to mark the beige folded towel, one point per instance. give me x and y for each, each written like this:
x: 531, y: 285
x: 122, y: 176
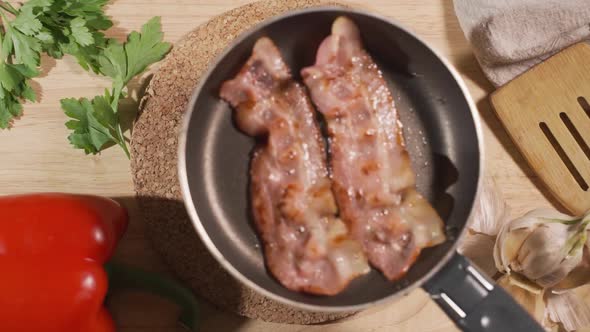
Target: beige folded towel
x: 511, y: 36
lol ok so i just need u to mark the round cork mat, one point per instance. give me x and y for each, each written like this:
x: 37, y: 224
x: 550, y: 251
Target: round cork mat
x: 154, y: 158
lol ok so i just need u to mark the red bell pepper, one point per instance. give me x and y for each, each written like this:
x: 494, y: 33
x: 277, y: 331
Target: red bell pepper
x: 52, y: 251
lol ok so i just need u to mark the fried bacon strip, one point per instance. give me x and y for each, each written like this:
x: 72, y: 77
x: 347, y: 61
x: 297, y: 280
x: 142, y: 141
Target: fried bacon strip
x: 373, y: 177
x: 306, y: 246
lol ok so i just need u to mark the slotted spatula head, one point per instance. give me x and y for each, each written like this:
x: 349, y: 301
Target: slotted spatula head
x: 546, y: 111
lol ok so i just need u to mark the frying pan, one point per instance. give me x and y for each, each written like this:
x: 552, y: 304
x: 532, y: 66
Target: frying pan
x: 444, y: 138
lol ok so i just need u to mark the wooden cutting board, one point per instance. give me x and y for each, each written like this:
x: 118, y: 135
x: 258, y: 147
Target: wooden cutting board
x: 546, y: 111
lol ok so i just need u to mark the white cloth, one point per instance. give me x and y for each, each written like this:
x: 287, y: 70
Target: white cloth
x: 510, y: 36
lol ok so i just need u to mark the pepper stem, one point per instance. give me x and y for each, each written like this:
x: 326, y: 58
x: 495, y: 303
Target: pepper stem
x: 126, y: 277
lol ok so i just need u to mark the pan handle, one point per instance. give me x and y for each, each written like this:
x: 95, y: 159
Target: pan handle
x: 474, y: 302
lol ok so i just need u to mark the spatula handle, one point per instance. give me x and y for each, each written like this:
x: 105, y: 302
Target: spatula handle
x: 474, y: 302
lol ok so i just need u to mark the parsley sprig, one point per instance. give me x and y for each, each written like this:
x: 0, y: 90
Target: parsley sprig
x: 96, y: 123
x: 76, y: 28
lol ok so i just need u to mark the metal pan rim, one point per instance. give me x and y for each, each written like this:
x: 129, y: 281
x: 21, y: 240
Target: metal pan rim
x: 191, y: 205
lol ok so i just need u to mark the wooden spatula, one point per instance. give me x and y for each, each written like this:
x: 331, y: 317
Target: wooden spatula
x: 546, y: 111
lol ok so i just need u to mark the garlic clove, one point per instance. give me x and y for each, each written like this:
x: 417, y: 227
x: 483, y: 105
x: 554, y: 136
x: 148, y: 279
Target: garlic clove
x: 513, y: 241
x: 524, y: 283
x: 568, y: 309
x: 543, y: 251
x: 579, y: 276
x: 502, y: 264
x: 490, y: 210
x: 508, y: 243
x: 533, y: 303
x: 479, y: 248
x: 563, y: 271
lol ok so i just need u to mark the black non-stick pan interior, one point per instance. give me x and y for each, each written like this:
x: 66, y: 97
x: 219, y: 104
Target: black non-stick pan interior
x: 439, y: 128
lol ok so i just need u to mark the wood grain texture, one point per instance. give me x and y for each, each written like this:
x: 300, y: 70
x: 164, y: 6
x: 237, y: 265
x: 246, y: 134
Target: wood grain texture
x: 36, y: 157
x: 548, y: 95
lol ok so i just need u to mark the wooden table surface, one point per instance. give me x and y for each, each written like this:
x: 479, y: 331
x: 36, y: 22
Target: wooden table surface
x: 36, y: 157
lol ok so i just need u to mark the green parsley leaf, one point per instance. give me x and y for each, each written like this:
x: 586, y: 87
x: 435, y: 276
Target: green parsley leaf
x: 10, y: 108
x: 37, y: 4
x: 81, y: 7
x: 45, y: 37
x: 14, y: 85
x: 145, y: 48
x: 94, y: 123
x: 123, y: 62
x: 113, y: 61
x: 7, y: 48
x: 9, y: 76
x: 26, y: 48
x: 98, y: 22
x: 56, y: 27
x: 105, y: 114
x: 80, y: 32
x: 74, y: 27
x: 27, y: 22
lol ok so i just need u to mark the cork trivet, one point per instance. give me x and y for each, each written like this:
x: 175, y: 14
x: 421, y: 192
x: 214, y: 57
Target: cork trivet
x: 154, y: 155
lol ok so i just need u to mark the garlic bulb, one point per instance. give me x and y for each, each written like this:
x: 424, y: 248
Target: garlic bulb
x: 543, y: 245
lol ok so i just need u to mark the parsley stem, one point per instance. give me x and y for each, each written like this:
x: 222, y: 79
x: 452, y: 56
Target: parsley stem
x: 8, y: 7
x: 117, y: 89
x: 2, y: 56
x: 122, y: 143
x: 4, y: 53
